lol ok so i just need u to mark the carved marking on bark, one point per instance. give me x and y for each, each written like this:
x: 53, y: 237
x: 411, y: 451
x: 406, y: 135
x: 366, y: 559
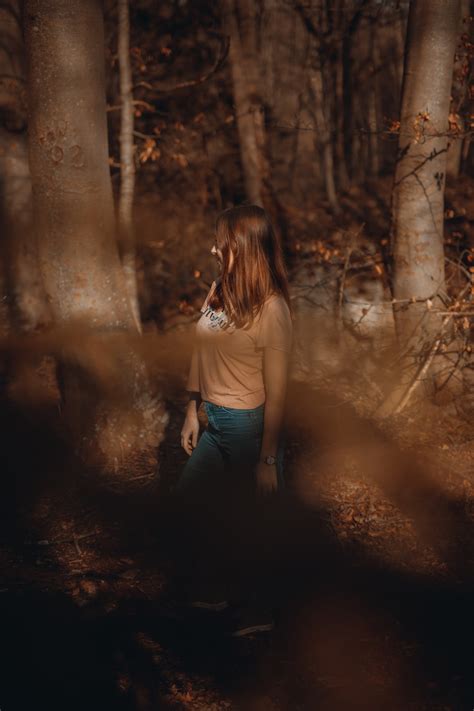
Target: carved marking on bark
x: 57, y: 154
x: 61, y: 127
x: 77, y: 156
x: 72, y: 155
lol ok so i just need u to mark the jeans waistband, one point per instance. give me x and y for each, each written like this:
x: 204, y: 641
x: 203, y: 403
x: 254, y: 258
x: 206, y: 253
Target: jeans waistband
x: 237, y: 410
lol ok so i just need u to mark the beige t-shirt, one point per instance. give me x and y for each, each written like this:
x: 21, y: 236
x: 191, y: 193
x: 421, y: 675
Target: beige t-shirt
x: 227, y: 362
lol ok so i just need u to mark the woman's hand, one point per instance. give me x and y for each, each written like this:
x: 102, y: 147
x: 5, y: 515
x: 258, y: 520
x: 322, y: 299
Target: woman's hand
x: 190, y: 431
x: 275, y: 375
x: 267, y: 481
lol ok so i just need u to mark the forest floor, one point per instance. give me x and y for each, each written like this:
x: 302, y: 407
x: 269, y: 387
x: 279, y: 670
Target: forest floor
x: 373, y: 587
x: 372, y: 579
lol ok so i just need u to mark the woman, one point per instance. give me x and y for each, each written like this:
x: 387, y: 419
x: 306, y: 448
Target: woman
x: 239, y: 366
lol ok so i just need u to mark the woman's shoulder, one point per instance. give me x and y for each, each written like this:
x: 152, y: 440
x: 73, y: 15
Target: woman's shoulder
x: 276, y: 302
x: 275, y: 326
x: 275, y: 308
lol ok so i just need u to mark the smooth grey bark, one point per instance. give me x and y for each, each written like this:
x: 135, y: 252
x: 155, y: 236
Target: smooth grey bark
x: 418, y: 191
x: 69, y: 162
x: 127, y: 161
x: 112, y: 414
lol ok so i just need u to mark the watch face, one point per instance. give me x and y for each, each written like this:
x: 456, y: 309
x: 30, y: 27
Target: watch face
x: 270, y: 460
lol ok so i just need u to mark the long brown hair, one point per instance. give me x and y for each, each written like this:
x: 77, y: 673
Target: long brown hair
x: 258, y: 269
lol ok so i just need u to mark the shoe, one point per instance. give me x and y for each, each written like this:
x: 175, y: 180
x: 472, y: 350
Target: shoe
x: 213, y: 605
x: 251, y: 620
x: 208, y: 595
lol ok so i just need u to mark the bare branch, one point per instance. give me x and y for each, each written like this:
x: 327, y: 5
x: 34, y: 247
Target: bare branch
x: 166, y: 89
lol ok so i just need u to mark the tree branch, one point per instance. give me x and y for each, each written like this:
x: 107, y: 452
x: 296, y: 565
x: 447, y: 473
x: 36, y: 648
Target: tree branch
x: 163, y: 89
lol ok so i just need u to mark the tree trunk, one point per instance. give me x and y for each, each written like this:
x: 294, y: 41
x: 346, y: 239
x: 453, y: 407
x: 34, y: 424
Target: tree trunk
x: 74, y: 214
x: 346, y: 107
x: 374, y: 165
x: 323, y: 131
x: 459, y: 94
x: 418, y: 192
x: 23, y: 288
x: 400, y: 31
x: 303, y: 171
x: 321, y: 102
x: 273, y: 63
x: 281, y: 50
x: 248, y: 98
x: 323, y: 137
x: 127, y: 161
x: 340, y: 88
x: 26, y: 298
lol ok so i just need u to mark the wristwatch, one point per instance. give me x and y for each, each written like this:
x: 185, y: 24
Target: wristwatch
x: 269, y: 460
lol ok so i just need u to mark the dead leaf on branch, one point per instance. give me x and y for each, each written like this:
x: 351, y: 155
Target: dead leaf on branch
x: 149, y: 151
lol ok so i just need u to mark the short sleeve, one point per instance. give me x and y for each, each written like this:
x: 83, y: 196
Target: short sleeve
x: 275, y: 327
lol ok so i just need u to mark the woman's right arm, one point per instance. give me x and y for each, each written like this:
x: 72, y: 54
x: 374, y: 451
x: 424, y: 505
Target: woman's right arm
x: 190, y: 429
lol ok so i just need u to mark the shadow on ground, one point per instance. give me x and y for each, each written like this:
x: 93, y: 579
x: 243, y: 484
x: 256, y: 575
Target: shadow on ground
x: 351, y: 632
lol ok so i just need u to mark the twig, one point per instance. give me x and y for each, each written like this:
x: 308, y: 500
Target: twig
x: 144, y: 136
x: 365, y: 312
x: 343, y: 281
x: 386, y: 302
x: 422, y: 370
x: 459, y: 266
x: 311, y: 301
x: 428, y: 360
x: 136, y: 102
x: 76, y: 545
x: 142, y: 476
x: 456, y: 313
x: 452, y: 370
x: 224, y: 51
x: 57, y: 541
x: 92, y: 573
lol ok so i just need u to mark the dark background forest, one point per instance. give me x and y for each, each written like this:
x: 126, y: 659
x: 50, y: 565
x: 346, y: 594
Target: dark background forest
x: 126, y: 127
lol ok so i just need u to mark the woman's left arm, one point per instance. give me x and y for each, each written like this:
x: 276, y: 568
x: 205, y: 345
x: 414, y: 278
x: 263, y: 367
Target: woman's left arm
x: 275, y: 377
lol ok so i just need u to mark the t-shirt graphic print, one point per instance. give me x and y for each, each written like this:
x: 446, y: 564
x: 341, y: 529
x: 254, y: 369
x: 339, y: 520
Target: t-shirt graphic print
x: 217, y: 320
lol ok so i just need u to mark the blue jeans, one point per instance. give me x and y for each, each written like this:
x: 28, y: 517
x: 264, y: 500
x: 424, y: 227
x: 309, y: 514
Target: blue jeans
x: 221, y: 517
x: 228, y: 451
